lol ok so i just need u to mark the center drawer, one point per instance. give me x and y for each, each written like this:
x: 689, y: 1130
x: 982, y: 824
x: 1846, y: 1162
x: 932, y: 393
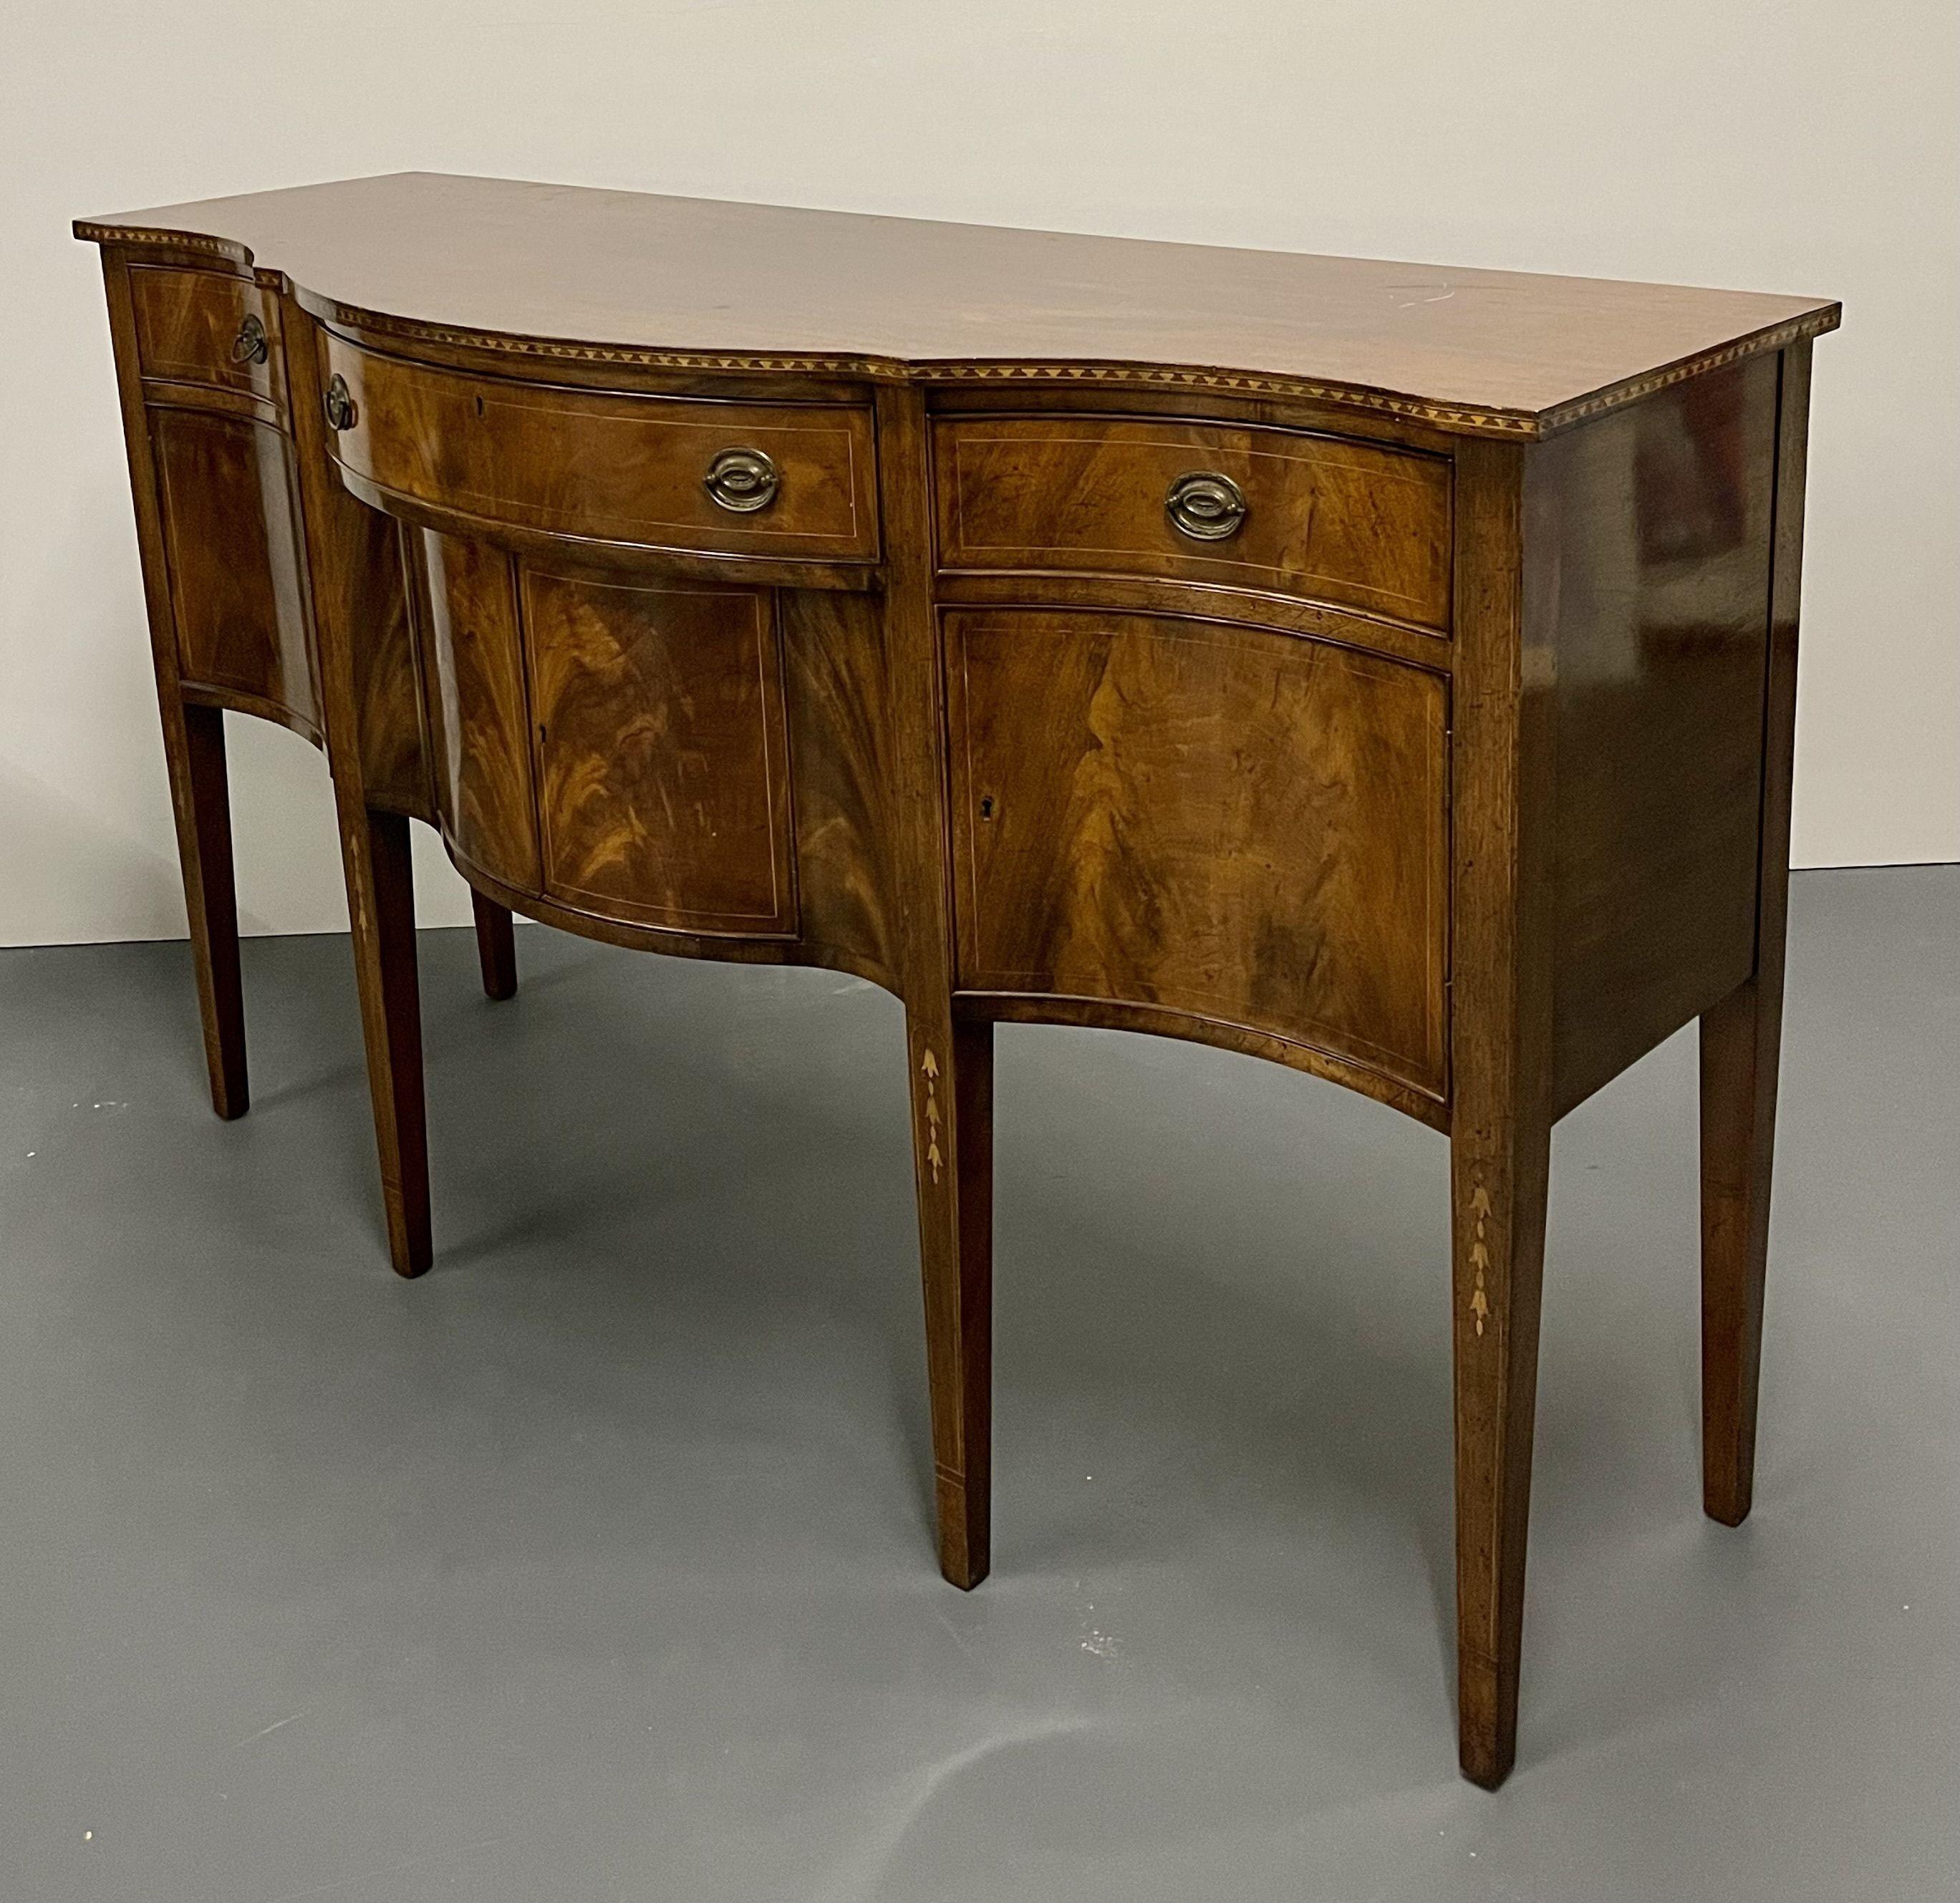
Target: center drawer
x: 1321, y: 518
x: 792, y: 481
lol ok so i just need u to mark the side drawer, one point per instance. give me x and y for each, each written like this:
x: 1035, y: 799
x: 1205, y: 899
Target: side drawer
x: 1205, y: 820
x: 208, y: 328
x: 1324, y: 518
x: 791, y: 480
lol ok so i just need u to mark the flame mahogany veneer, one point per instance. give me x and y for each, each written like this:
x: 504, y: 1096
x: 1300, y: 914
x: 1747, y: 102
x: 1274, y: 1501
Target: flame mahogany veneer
x: 1385, y: 670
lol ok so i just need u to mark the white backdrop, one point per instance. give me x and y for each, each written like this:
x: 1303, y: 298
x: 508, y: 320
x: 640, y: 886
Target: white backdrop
x: 1807, y: 146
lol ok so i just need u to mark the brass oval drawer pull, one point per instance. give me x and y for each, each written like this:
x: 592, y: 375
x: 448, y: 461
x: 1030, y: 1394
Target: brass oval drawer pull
x: 1207, y: 507
x: 742, y: 481
x: 341, y: 409
x: 251, y: 345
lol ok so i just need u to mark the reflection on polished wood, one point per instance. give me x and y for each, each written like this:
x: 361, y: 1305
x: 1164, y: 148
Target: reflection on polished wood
x: 1270, y: 651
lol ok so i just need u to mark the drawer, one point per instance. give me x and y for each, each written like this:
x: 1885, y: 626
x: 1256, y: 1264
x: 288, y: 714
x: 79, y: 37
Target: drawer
x: 204, y: 327
x: 787, y: 480
x: 1204, y: 820
x: 1284, y: 512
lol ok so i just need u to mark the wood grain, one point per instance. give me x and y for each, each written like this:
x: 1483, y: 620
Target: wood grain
x: 1244, y: 827
x: 1656, y: 524
x: 193, y: 739
x: 371, y: 572
x: 662, y: 768
x: 1459, y: 773
x: 1503, y: 756
x: 842, y: 749
x: 1741, y: 1036
x: 569, y: 272
x: 607, y: 467
x: 188, y: 323
x: 949, y: 1059
x: 238, y: 597
x: 375, y: 859
x: 479, y: 719
x: 1330, y: 520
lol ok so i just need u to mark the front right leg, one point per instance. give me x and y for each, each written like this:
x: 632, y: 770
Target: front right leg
x: 952, y: 1154
x: 1499, y: 1163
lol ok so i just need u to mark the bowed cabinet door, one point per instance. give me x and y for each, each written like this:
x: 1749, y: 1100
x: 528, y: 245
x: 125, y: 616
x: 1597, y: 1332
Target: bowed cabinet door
x: 1232, y: 830
x: 614, y: 742
x: 663, y: 766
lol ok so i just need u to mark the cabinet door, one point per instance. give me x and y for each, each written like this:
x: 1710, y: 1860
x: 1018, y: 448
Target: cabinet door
x: 663, y: 768
x: 225, y: 485
x: 1209, y: 821
x: 479, y: 729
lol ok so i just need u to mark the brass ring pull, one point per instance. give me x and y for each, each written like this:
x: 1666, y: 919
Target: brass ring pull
x: 1207, y: 507
x: 249, y: 346
x: 341, y: 409
x: 742, y: 481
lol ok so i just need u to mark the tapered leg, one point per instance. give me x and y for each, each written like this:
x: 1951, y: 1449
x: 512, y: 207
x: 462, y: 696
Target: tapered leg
x: 1499, y: 1178
x: 1500, y: 1023
x: 380, y: 885
x: 496, y: 946
x: 194, y: 742
x: 951, y: 1061
x: 953, y: 1143
x: 1739, y: 1039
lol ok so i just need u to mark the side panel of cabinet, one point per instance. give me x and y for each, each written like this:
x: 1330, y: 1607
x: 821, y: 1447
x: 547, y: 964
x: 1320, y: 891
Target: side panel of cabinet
x: 1243, y: 827
x: 1653, y: 528
x: 224, y: 488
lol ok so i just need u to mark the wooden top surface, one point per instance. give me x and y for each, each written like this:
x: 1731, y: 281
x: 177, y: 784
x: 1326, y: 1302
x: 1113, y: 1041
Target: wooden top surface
x: 631, y: 276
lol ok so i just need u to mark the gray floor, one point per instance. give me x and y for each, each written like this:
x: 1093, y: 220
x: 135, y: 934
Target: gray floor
x: 596, y: 1565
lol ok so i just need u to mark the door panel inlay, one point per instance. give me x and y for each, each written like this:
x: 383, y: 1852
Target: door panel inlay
x: 663, y: 765
x: 1239, y: 826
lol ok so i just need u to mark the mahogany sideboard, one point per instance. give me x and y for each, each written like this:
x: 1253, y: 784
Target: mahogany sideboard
x: 1386, y: 670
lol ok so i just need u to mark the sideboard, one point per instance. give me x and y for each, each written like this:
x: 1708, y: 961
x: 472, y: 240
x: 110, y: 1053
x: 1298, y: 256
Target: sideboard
x: 1382, y: 669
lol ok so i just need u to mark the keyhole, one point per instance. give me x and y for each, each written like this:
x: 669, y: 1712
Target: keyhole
x: 986, y: 805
